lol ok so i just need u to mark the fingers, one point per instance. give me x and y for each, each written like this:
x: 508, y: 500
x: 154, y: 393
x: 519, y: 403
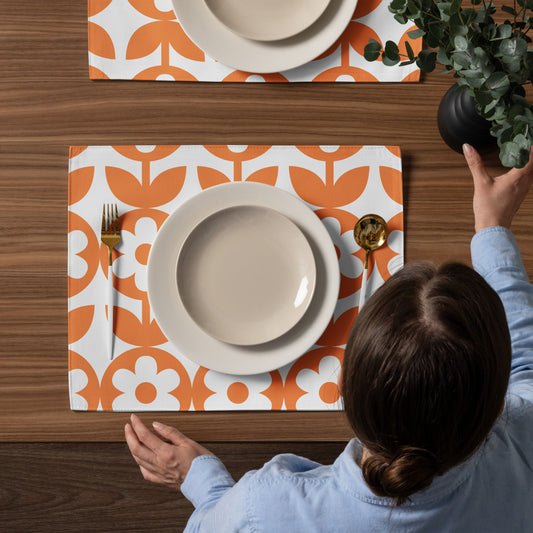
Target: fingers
x: 145, y: 436
x: 170, y: 433
x: 475, y: 164
x: 137, y: 449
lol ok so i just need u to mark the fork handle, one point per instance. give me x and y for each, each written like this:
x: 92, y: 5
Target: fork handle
x: 110, y: 312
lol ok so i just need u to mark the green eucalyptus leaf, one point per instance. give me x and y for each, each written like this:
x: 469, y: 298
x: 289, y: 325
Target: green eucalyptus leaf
x: 415, y: 34
x: 412, y: 9
x: 460, y: 43
x: 489, y: 31
x: 474, y: 82
x: 410, y: 52
x: 426, y: 60
x: 512, y: 47
x: 504, y: 31
x: 389, y: 62
x: 444, y: 10
x: 372, y: 50
x: 442, y: 57
x: 391, y: 50
x: 513, y: 64
x: 455, y: 6
x: 402, y: 19
x: 522, y: 142
x: 483, y: 96
x: 463, y: 59
x: 510, y: 10
x: 498, y: 84
x: 398, y: 6
x: 512, y: 155
x: 488, y: 108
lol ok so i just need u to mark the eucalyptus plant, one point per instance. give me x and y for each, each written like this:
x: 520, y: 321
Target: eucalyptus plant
x: 491, y: 61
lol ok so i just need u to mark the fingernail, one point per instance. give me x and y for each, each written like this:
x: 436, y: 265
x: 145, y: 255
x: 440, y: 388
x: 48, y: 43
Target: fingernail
x: 467, y: 149
x: 157, y: 425
x: 126, y: 427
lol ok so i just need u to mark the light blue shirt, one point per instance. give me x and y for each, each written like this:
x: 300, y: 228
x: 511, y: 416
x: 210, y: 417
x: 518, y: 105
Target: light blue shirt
x: 490, y: 493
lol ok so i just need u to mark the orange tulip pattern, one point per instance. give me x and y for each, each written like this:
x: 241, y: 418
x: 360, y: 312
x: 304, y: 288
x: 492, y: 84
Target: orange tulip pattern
x: 142, y: 40
x: 340, y: 183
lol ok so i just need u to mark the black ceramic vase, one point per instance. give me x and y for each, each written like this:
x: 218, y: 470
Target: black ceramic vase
x: 459, y: 122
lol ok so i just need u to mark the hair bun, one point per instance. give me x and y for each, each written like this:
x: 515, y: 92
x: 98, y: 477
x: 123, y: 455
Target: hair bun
x: 410, y: 470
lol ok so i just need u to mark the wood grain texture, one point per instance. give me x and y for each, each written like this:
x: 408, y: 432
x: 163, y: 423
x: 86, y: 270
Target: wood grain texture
x: 47, y: 103
x: 97, y: 488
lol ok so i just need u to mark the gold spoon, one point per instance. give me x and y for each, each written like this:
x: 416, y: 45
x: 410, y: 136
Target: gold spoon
x: 370, y: 233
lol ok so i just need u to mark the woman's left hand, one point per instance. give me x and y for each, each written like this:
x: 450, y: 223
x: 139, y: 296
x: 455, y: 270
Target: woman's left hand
x: 162, y: 461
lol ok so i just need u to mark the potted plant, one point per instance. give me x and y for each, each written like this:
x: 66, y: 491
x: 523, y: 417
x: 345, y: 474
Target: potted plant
x: 491, y: 61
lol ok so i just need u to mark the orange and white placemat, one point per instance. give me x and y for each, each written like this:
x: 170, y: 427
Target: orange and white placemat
x: 142, y: 40
x: 148, y: 183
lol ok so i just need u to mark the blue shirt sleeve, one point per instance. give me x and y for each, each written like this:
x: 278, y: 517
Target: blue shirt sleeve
x: 217, y: 508
x: 496, y: 256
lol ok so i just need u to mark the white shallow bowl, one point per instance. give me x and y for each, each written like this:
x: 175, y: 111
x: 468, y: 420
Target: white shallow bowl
x: 246, y: 274
x: 267, y: 20
x: 188, y: 337
x: 222, y: 44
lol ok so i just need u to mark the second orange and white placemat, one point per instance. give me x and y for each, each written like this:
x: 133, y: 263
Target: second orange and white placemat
x: 142, y: 40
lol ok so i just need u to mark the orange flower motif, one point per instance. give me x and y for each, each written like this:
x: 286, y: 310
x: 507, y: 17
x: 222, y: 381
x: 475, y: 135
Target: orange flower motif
x: 85, y: 387
x: 88, y: 254
x: 149, y: 9
x: 79, y: 322
x: 313, y: 379
x: 162, y: 33
x: 100, y: 44
x: 364, y: 7
x: 146, y: 379
x: 80, y: 181
x: 127, y: 188
x: 328, y: 193
x: 96, y: 6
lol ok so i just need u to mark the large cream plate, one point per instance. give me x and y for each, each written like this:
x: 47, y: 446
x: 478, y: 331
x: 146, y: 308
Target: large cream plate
x: 181, y: 329
x: 222, y: 44
x: 246, y: 274
x: 267, y: 20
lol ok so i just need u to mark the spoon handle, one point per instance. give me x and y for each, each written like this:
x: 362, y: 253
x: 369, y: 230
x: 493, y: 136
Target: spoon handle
x: 362, y: 292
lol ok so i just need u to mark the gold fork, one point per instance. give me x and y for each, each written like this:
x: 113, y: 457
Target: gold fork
x: 110, y: 236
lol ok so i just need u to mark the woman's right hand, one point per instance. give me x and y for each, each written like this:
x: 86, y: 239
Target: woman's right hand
x: 496, y: 200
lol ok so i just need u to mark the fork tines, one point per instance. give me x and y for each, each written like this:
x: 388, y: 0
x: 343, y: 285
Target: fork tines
x: 110, y: 219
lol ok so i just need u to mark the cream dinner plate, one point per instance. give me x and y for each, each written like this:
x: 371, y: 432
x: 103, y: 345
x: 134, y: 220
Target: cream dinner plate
x: 180, y: 328
x: 267, y: 20
x: 246, y: 274
x: 219, y: 42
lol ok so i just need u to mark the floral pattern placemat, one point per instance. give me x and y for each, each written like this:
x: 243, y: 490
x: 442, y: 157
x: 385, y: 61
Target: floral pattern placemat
x: 339, y: 183
x: 142, y: 40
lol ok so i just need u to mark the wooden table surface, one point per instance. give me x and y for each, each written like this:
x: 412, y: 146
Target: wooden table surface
x: 47, y: 103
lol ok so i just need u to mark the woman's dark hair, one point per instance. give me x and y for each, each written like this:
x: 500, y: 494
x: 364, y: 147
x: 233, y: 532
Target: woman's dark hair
x: 424, y: 375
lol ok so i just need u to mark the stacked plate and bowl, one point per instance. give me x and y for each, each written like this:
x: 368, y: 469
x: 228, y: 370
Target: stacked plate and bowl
x: 243, y: 278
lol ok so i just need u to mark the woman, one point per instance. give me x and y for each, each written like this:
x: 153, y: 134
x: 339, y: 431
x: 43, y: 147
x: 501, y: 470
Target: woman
x: 438, y: 393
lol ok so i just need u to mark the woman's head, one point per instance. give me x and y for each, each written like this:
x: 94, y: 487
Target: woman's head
x: 424, y: 376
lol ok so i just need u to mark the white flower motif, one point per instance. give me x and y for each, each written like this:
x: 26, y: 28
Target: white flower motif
x: 78, y: 381
x: 136, y: 247
x: 77, y: 243
x: 146, y: 388
x: 231, y: 392
x: 350, y: 265
x: 320, y: 386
